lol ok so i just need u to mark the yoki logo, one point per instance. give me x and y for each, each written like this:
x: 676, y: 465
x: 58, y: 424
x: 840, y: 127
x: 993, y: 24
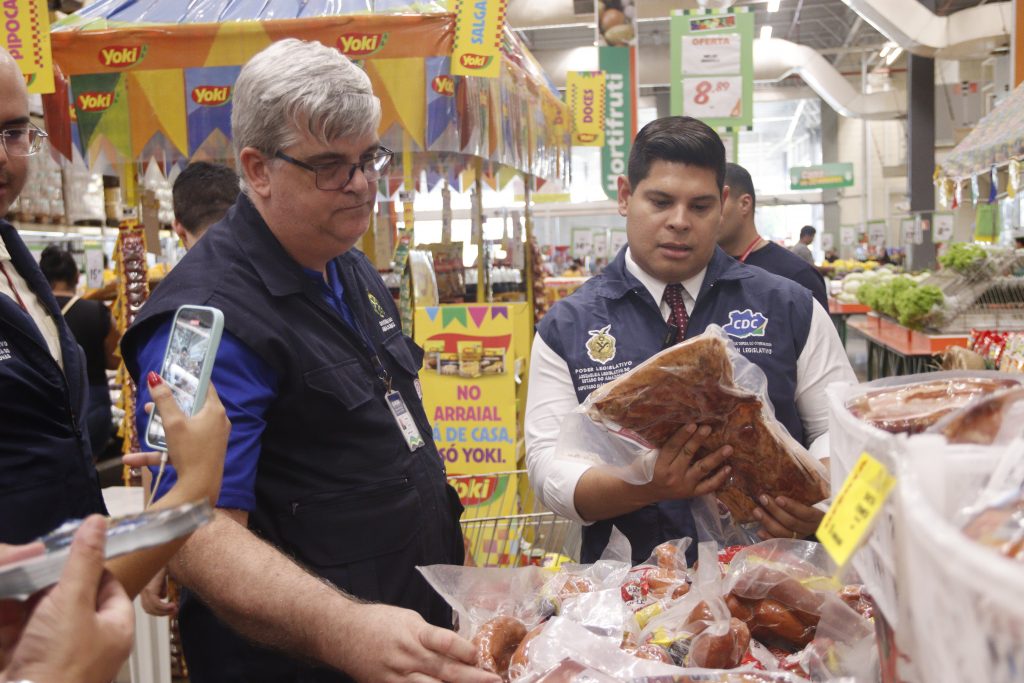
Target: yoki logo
x: 475, y: 490
x: 94, y: 101
x: 444, y: 85
x: 745, y: 323
x: 474, y: 61
x: 122, y: 55
x: 361, y: 44
x: 211, y: 95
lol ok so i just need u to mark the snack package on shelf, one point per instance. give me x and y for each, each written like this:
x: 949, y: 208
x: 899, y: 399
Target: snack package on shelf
x: 706, y: 381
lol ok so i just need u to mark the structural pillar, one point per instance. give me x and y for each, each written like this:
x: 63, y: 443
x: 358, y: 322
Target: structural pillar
x: 921, y: 151
x: 830, y: 155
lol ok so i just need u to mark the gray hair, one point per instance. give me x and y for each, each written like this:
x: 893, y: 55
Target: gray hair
x: 293, y: 85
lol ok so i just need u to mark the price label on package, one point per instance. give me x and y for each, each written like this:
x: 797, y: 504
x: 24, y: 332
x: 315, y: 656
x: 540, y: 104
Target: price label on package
x: 854, y: 509
x: 713, y: 97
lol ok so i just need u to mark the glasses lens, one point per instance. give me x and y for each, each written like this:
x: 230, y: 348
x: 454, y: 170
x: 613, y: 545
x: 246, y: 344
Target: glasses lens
x: 333, y: 177
x: 21, y: 142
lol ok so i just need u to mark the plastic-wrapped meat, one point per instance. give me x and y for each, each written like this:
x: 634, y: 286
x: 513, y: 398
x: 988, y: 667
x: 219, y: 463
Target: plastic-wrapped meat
x: 981, y: 422
x: 692, y: 383
x: 912, y: 408
x: 1000, y: 526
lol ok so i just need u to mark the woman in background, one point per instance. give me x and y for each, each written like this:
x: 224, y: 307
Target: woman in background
x: 94, y: 329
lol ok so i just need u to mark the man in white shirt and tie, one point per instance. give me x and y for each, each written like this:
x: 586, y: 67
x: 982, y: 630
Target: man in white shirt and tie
x: 667, y: 285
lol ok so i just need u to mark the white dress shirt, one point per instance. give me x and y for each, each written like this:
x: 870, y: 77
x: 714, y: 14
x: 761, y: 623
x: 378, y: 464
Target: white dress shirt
x: 551, y: 396
x: 9, y: 275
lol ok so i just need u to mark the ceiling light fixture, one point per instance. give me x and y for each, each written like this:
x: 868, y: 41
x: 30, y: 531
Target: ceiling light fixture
x: 892, y: 56
x: 766, y: 32
x: 773, y: 5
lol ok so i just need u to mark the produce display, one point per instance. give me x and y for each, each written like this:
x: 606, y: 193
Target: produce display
x: 693, y: 383
x: 963, y: 257
x: 747, y: 610
x: 913, y: 408
x: 903, y: 297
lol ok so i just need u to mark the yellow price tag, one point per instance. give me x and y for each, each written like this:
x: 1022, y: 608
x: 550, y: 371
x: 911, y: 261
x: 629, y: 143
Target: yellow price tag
x: 849, y: 519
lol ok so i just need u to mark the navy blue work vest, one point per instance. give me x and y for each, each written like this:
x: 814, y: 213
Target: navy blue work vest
x: 46, y: 471
x: 336, y: 486
x: 767, y: 317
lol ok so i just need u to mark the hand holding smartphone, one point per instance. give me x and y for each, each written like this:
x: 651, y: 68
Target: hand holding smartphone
x: 187, y: 364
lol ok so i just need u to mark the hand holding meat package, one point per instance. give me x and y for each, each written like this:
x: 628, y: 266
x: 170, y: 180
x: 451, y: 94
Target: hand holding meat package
x: 703, y: 381
x: 769, y: 612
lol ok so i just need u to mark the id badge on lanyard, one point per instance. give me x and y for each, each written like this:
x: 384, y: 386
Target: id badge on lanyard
x: 404, y: 420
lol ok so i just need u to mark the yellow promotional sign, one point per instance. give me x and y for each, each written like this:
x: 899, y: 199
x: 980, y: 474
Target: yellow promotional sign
x: 479, y: 27
x: 585, y: 92
x: 849, y: 519
x: 468, y: 389
x: 26, y: 35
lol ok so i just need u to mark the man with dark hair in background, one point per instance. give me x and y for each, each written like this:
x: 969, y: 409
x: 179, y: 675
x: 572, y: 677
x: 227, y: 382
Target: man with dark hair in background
x: 803, y: 247
x: 202, y: 193
x: 739, y: 238
x: 667, y: 285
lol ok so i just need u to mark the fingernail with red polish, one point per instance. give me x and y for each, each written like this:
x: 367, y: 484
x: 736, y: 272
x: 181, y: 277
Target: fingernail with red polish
x: 153, y: 379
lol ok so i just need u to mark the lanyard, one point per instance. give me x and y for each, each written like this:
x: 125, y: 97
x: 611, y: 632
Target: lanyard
x: 756, y: 242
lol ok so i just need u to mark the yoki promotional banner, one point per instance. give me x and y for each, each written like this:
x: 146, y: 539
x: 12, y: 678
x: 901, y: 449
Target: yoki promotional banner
x: 479, y: 25
x: 208, y: 92
x: 442, y: 116
x: 585, y: 95
x: 26, y: 36
x: 103, y: 115
x: 468, y: 388
x: 713, y: 66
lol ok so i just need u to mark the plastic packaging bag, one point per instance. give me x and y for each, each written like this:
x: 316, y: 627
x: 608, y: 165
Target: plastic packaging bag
x: 703, y: 380
x: 987, y: 420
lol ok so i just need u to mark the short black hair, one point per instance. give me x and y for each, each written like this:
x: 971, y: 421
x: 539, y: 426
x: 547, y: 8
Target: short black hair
x: 807, y: 230
x: 203, y: 193
x: 678, y: 139
x: 58, y: 265
x: 740, y: 183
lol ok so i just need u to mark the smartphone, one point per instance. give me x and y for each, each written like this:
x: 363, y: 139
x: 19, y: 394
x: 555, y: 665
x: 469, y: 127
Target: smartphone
x: 187, y: 364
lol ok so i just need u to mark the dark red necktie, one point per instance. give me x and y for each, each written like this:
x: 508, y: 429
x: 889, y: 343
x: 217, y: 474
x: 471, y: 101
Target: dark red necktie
x: 674, y: 298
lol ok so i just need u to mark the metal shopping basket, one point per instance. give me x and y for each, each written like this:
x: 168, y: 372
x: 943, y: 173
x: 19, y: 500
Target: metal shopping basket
x: 506, y: 526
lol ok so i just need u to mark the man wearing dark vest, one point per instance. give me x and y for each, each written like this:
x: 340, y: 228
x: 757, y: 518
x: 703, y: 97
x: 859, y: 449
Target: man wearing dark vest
x: 738, y: 237
x: 46, y: 468
x: 667, y: 284
x: 333, y: 490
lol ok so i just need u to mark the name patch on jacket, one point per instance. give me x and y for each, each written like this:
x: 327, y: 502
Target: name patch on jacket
x: 5, y: 351
x: 386, y: 322
x: 747, y: 329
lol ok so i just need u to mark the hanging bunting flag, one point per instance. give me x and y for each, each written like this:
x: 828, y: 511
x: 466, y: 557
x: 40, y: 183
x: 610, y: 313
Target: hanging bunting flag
x: 958, y: 190
x: 101, y: 108
x: 450, y: 314
x: 1013, y: 178
x: 585, y: 93
x: 442, y: 116
x: 26, y: 36
x: 432, y: 312
x: 499, y: 311
x: 479, y: 27
x: 208, y: 101
x: 478, y: 314
x: 975, y: 190
x: 993, y: 188
x: 156, y: 100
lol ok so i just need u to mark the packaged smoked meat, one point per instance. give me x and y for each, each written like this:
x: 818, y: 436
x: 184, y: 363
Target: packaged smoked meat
x: 1001, y: 526
x: 705, y: 381
x: 913, y: 408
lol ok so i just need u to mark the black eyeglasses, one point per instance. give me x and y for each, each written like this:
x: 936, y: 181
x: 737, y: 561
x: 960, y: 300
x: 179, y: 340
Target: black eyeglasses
x: 338, y: 174
x: 23, y: 140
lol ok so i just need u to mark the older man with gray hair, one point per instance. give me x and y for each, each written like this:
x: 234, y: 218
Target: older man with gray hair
x: 333, y: 489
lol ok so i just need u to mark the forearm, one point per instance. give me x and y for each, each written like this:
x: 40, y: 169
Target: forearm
x: 600, y: 495
x: 136, y: 569
x: 263, y: 594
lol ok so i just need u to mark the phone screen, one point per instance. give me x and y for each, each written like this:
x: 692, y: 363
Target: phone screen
x: 193, y: 341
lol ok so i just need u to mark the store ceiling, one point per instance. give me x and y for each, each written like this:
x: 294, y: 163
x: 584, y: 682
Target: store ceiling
x: 828, y: 26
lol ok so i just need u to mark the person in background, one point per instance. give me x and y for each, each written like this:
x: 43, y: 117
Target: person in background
x: 96, y: 332
x: 202, y: 194
x: 831, y: 256
x: 739, y: 238
x: 667, y: 285
x: 334, y: 491
x: 575, y: 269
x: 802, y: 247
